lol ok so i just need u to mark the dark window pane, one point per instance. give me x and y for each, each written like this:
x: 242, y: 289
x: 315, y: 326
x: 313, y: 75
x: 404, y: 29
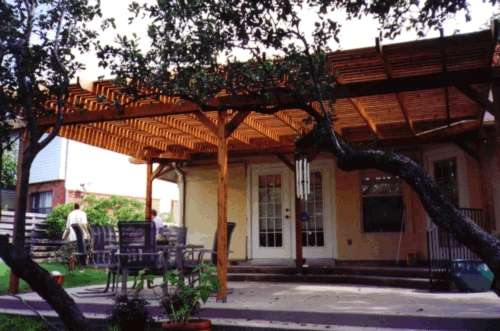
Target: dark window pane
x: 262, y: 240
x: 270, y: 240
x: 383, y: 214
x: 279, y: 240
x: 304, y: 239
x: 320, y: 239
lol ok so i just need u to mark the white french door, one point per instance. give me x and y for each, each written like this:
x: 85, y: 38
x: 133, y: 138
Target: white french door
x: 273, y: 213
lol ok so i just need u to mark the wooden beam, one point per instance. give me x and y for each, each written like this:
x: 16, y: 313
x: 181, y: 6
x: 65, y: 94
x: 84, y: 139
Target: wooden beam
x: 288, y: 120
x: 364, y: 115
x: 222, y: 249
x: 158, y: 170
x: 149, y: 127
x: 485, y: 193
x: 210, y: 138
x: 467, y: 149
x: 264, y: 130
x: 451, y: 130
x: 414, y: 83
x: 399, y: 97
x: 203, y: 118
x: 286, y: 161
x: 475, y: 96
x: 149, y: 190
x: 236, y: 121
x: 114, y: 114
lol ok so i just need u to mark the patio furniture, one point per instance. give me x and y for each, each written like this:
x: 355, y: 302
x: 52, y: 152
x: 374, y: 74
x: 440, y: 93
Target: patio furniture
x: 101, y: 257
x: 177, y: 240
x: 81, y: 246
x: 192, y: 259
x: 137, y: 242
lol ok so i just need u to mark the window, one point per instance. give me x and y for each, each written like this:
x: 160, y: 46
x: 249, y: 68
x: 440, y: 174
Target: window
x: 445, y: 175
x: 382, y: 202
x: 270, y: 207
x: 41, y: 202
x: 312, y: 231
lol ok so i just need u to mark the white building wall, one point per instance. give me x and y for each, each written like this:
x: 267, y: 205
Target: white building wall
x: 49, y: 163
x: 99, y: 170
x: 111, y: 173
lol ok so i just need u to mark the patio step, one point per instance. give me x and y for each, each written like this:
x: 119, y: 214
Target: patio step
x: 400, y: 277
x: 400, y: 282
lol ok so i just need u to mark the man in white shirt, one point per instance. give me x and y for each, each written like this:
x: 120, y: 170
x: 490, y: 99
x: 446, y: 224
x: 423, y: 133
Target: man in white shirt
x: 79, y: 217
x: 158, y: 221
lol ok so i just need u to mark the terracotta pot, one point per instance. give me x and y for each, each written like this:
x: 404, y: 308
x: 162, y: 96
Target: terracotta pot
x: 58, y: 278
x: 191, y: 325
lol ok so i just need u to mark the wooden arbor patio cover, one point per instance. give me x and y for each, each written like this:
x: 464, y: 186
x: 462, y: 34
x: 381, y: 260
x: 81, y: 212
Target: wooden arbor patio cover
x: 413, y: 92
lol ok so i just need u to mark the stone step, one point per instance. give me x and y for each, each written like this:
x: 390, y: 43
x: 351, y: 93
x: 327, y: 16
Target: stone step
x: 400, y: 282
x: 402, y: 272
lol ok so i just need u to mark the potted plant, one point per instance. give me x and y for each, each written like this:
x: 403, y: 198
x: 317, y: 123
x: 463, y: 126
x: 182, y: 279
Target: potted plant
x: 183, y: 303
x: 131, y: 313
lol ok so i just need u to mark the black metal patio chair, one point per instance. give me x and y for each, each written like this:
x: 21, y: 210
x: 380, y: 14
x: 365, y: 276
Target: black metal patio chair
x: 138, y: 251
x: 193, y: 258
x: 101, y: 256
x: 177, y: 239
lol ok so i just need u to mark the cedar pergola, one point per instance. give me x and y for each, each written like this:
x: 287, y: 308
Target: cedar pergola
x: 403, y: 94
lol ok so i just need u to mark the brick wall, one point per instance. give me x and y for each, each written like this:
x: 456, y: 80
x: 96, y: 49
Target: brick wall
x: 56, y: 187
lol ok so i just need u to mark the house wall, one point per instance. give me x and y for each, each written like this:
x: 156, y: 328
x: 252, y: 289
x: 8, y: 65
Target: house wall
x: 201, y: 213
x: 57, y: 188
x: 201, y: 208
x: 374, y: 246
x: 49, y: 164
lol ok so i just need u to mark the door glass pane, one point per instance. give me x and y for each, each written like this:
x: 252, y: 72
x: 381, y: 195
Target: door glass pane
x: 270, y: 211
x: 312, y: 230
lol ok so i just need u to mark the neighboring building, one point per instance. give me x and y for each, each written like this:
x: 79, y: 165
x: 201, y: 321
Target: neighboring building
x: 67, y: 171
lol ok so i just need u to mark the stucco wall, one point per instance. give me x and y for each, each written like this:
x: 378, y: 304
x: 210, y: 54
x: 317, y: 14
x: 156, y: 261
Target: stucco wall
x: 374, y: 246
x: 201, y: 209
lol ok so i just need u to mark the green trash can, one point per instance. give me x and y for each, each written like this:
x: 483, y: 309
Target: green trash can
x: 471, y: 275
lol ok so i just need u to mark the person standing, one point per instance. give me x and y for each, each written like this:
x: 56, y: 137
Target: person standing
x: 77, y: 216
x: 158, y: 221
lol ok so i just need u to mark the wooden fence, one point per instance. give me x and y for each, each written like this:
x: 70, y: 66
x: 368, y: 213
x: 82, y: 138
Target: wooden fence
x: 42, y: 247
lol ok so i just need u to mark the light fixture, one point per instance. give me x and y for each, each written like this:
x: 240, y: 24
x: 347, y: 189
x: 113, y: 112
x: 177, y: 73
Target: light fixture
x: 302, y: 175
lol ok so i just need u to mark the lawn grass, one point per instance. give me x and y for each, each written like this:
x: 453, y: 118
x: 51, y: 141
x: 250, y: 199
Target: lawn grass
x: 88, y: 277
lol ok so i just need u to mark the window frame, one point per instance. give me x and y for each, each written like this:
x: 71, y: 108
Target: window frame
x: 35, y: 198
x: 371, y: 173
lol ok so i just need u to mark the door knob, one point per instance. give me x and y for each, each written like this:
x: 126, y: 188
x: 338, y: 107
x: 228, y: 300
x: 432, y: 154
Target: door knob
x: 286, y: 216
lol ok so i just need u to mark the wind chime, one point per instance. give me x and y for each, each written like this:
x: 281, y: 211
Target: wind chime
x: 302, y: 175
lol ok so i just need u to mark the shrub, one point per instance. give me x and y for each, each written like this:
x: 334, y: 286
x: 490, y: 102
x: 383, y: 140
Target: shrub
x: 103, y: 211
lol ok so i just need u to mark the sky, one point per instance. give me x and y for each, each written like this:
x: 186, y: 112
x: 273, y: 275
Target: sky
x: 354, y: 34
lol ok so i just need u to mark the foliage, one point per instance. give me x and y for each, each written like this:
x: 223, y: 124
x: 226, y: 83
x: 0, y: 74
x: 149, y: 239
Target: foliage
x: 183, y: 303
x: 56, y: 220
x: 103, y: 211
x: 9, y: 167
x: 130, y: 313
x: 18, y: 323
x: 87, y: 278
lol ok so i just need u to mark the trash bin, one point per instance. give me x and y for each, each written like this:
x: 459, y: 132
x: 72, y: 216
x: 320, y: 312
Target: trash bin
x: 471, y: 275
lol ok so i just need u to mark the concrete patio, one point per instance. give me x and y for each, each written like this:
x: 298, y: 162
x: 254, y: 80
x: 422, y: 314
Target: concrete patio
x: 285, y: 306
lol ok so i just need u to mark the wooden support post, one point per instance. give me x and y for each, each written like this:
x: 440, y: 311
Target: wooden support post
x: 495, y: 86
x: 485, y: 193
x: 222, y: 207
x: 149, y: 191
x: 298, y: 230
x: 23, y: 145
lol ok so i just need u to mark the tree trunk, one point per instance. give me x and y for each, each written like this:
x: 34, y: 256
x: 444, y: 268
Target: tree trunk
x: 42, y: 283
x: 24, y: 267
x: 437, y: 205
